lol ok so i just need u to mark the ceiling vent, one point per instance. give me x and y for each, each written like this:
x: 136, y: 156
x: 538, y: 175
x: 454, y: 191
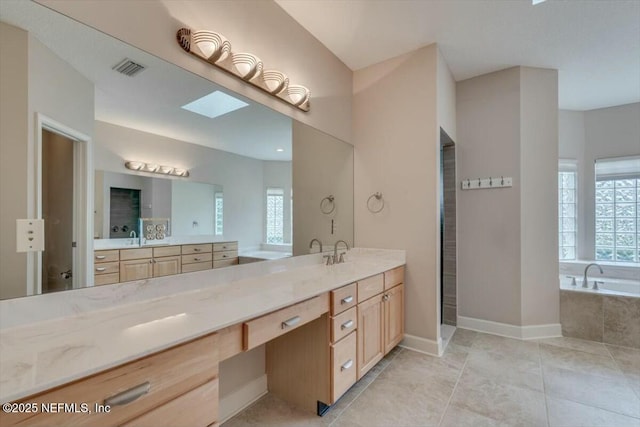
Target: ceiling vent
x: 128, y: 67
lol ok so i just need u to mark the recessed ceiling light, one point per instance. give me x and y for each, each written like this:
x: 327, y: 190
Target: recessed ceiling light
x: 215, y: 104
x: 279, y: 150
x: 535, y: 2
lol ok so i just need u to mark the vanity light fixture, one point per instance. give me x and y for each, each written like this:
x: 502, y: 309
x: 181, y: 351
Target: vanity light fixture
x: 154, y: 168
x: 216, y: 50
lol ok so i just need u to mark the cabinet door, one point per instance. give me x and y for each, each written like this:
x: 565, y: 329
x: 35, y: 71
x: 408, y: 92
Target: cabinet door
x: 136, y: 269
x: 393, y: 317
x: 370, y: 334
x: 166, y: 266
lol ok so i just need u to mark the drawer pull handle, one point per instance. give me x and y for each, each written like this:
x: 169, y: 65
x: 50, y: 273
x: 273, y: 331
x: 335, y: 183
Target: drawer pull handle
x: 291, y: 322
x: 101, y: 268
x: 347, y: 365
x: 346, y: 325
x: 128, y: 396
x: 196, y: 249
x: 101, y: 256
x: 224, y: 256
x: 346, y: 300
x: 196, y: 259
x: 385, y: 297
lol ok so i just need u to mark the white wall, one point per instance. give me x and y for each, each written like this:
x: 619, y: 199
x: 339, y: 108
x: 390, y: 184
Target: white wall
x: 259, y: 27
x: 322, y: 166
x: 241, y: 177
x: 33, y: 77
x: 539, y: 196
x: 279, y: 175
x: 589, y: 135
x: 507, y: 124
x: 14, y: 130
x: 397, y: 146
x: 488, y: 112
x: 192, y: 208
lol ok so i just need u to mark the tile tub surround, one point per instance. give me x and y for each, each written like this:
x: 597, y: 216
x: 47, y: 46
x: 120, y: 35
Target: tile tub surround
x: 602, y: 318
x: 96, y: 329
x: 482, y: 380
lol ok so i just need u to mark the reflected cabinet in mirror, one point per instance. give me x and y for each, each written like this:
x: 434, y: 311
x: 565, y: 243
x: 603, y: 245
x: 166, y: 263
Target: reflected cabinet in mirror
x: 242, y: 183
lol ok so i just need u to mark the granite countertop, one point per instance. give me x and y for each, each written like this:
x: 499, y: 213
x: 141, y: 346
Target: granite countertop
x: 49, y: 340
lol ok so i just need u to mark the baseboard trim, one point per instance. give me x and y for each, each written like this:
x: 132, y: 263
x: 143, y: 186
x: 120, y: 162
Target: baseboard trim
x: 531, y: 332
x: 422, y: 345
x: 240, y: 399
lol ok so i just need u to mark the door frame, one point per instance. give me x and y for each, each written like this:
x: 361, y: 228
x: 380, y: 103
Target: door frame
x: 82, y: 203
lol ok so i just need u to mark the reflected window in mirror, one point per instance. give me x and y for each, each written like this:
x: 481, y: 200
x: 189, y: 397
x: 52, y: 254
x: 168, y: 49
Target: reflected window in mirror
x: 275, y: 216
x: 219, y: 204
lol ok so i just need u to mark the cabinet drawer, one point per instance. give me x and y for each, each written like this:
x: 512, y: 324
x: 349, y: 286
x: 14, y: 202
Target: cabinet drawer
x: 393, y: 277
x: 198, y: 266
x: 266, y: 328
x: 190, y: 259
x: 106, y: 268
x: 343, y: 299
x: 370, y: 286
x: 225, y: 263
x: 127, y: 254
x: 169, y: 374
x: 219, y: 256
x: 106, y: 256
x: 166, y: 251
x: 225, y: 246
x: 229, y: 341
x: 106, y: 279
x: 196, y: 408
x: 343, y: 366
x: 196, y: 249
x: 343, y: 324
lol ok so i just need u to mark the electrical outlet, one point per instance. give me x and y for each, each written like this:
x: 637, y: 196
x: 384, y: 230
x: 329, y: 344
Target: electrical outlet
x: 29, y: 235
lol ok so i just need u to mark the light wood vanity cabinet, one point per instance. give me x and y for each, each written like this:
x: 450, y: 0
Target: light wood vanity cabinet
x: 176, y: 387
x: 380, y: 317
x: 125, y: 265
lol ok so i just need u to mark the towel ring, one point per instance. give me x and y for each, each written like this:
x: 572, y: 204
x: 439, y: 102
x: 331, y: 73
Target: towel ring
x: 378, y: 197
x: 327, y: 205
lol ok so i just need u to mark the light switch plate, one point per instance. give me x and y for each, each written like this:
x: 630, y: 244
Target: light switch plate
x: 29, y: 235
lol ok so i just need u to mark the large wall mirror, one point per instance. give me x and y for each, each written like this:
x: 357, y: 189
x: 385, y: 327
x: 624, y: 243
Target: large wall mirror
x: 78, y: 104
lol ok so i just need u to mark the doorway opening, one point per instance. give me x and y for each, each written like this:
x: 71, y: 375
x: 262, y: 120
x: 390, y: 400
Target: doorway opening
x: 63, y: 161
x: 448, y: 235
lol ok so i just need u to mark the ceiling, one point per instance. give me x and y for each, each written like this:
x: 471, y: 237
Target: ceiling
x: 151, y: 100
x: 594, y: 44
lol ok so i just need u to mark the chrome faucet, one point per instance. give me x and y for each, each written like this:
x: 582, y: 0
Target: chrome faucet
x: 337, y: 260
x: 315, y: 240
x: 133, y: 236
x: 585, y: 282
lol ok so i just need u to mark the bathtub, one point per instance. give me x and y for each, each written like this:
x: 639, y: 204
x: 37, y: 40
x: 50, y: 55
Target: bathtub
x: 609, y: 286
x: 610, y: 314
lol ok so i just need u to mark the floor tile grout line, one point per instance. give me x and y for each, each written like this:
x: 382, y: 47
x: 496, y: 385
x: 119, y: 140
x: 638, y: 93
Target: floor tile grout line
x: 366, y: 387
x: 544, y: 388
x: 446, y: 407
x: 628, y: 380
x: 568, y: 399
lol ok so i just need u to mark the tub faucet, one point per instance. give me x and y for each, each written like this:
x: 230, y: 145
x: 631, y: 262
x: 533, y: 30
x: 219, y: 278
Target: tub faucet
x: 337, y: 260
x: 585, y: 282
x: 315, y: 240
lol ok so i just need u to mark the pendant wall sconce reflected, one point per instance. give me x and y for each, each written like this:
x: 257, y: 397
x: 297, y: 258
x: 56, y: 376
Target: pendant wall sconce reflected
x: 155, y: 168
x: 216, y: 50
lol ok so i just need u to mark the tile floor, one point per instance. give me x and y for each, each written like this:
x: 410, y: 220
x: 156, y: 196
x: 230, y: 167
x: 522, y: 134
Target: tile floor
x: 482, y: 380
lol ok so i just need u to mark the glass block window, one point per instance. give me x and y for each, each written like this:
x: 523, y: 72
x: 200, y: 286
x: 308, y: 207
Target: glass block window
x: 567, y: 223
x: 219, y: 205
x: 617, y: 209
x: 275, y: 215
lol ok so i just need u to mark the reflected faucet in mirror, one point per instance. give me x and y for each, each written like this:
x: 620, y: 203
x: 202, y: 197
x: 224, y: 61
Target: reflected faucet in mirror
x: 339, y: 260
x: 311, y: 244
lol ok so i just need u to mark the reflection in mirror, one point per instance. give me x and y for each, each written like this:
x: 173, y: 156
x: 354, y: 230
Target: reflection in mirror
x: 60, y: 77
x: 194, y: 208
